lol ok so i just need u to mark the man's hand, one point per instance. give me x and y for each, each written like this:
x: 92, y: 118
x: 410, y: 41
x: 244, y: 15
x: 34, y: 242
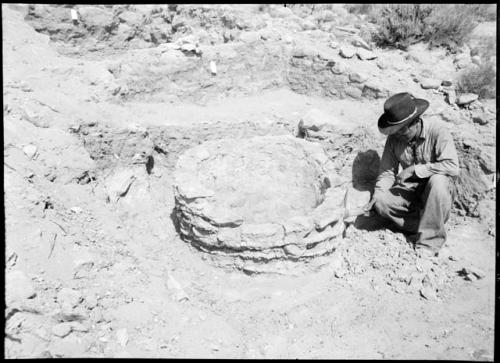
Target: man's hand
x: 369, y: 206
x: 405, y: 174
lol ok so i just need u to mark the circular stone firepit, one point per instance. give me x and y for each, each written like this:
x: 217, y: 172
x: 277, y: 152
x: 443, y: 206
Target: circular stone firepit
x: 254, y: 203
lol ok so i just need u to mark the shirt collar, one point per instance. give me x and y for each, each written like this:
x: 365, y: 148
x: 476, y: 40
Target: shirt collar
x: 422, y: 134
x: 422, y: 131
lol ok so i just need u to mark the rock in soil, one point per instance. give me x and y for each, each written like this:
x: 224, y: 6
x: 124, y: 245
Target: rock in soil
x: 18, y: 286
x: 62, y: 329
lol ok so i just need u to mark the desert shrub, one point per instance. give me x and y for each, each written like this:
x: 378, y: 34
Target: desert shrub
x: 360, y: 8
x: 263, y: 7
x: 480, y: 80
x: 485, y: 49
x: 401, y: 25
x: 448, y: 25
x: 486, y: 12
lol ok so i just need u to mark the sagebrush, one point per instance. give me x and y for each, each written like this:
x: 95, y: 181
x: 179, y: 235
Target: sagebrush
x: 480, y: 80
x: 448, y: 25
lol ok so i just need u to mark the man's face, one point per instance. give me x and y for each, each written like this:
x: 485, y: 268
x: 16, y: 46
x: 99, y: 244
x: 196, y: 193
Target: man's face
x: 407, y: 132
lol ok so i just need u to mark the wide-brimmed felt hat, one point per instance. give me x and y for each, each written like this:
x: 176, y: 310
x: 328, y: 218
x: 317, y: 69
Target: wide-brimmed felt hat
x: 400, y: 110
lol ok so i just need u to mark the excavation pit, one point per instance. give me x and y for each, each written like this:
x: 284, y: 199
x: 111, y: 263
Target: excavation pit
x: 254, y: 204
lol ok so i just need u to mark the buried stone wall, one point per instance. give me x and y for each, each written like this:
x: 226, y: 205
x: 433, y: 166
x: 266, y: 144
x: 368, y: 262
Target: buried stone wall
x: 257, y: 204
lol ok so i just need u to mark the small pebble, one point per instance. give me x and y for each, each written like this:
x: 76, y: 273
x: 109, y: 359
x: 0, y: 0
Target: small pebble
x: 30, y: 151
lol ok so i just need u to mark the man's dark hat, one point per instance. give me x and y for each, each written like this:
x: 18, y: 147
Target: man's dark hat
x: 399, y: 110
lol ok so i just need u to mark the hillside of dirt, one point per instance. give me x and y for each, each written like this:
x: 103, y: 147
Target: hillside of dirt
x: 101, y: 101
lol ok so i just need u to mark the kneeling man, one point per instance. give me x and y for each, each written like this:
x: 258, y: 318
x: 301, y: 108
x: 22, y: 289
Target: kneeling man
x: 418, y: 199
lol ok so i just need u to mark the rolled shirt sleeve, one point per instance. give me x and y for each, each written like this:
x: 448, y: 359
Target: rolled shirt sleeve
x: 388, y: 168
x: 446, y: 157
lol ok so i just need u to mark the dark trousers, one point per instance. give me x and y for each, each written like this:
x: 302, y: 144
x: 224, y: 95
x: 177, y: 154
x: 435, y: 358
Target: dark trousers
x: 420, y: 207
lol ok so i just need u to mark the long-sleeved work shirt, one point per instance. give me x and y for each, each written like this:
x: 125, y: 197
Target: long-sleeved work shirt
x: 433, y: 152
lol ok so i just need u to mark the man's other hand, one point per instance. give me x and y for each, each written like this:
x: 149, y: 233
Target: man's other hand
x: 405, y: 174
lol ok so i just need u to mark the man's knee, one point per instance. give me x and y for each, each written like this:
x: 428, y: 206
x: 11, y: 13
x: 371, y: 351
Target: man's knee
x: 440, y: 184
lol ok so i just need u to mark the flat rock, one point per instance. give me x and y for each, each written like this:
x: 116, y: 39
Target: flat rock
x: 188, y: 47
x: 294, y: 250
x: 466, y: 99
x: 339, y: 68
x: 347, y: 52
x: 279, y: 11
x: 18, y: 286
x: 250, y: 37
x: 192, y: 190
x: 430, y: 83
x: 95, y: 17
x: 314, y: 119
x: 300, y: 224
x: 78, y: 327
x: 354, y: 92
x: 358, y: 77
x: 119, y: 183
x: 270, y: 34
x: 69, y: 298
x: 479, y: 118
x: 327, y: 54
x: 359, y: 42
x: 364, y: 54
x: 304, y: 50
x: 265, y: 234
x: 451, y: 97
x: 309, y: 25
x: 487, y: 159
x: 62, y: 329
x: 91, y: 301
x: 348, y: 29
